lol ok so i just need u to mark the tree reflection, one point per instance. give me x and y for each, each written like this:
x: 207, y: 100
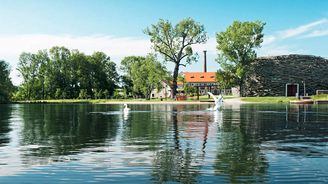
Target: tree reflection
x: 176, y: 161
x: 64, y: 129
x: 146, y: 127
x: 5, y: 114
x: 239, y: 156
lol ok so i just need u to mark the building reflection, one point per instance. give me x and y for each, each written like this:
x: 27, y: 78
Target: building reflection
x: 180, y: 160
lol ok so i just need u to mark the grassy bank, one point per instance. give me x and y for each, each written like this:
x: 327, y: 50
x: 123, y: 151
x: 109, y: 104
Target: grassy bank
x: 279, y: 99
x: 320, y: 97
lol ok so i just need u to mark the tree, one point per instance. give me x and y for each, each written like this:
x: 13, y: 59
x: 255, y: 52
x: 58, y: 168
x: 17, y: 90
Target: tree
x: 236, y: 46
x: 146, y: 73
x: 126, y: 67
x: 6, y: 86
x: 226, y: 79
x: 64, y: 73
x: 174, y: 43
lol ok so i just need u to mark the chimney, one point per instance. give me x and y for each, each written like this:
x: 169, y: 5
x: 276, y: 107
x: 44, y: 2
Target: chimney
x: 205, y: 67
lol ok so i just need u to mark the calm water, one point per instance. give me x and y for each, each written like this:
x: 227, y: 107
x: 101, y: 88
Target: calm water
x: 44, y: 143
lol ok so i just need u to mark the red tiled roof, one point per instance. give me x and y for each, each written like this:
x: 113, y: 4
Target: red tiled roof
x: 200, y: 76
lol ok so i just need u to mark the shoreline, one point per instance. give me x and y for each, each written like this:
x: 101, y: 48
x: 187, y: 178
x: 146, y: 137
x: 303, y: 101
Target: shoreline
x: 226, y: 101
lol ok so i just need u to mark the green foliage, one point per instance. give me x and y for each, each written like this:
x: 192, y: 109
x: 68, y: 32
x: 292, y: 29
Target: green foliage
x: 63, y: 73
x: 226, y: 79
x: 118, y: 94
x: 174, y: 42
x: 189, y: 90
x: 127, y: 86
x: 236, y: 46
x: 145, y: 73
x: 6, y: 87
x: 83, y: 94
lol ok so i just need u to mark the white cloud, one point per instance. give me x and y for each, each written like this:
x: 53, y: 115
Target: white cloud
x: 317, y: 33
x: 274, y: 50
x: 302, y: 29
x: 313, y: 29
x: 113, y: 46
x: 13, y: 45
x: 268, y: 39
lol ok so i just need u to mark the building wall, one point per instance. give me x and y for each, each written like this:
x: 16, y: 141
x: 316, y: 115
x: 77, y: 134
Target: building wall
x: 268, y: 76
x: 165, y: 92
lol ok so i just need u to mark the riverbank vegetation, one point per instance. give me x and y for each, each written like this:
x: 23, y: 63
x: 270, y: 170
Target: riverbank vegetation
x: 6, y: 87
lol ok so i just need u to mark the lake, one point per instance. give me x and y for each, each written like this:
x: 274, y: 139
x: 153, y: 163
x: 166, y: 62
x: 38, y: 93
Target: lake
x: 84, y: 143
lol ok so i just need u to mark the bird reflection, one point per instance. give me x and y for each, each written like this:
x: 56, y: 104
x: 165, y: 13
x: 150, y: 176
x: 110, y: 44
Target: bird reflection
x: 218, y: 118
x: 126, y: 111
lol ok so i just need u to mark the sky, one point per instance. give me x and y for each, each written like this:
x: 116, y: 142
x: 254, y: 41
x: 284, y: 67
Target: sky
x: 116, y: 26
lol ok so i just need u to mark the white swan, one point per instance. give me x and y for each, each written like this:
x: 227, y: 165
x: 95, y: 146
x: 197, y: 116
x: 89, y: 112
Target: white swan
x: 126, y: 109
x: 217, y: 100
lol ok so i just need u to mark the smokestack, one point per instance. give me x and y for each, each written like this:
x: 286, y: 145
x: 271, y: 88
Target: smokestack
x: 205, y: 67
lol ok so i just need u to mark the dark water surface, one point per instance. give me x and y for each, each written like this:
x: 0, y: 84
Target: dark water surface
x: 46, y: 143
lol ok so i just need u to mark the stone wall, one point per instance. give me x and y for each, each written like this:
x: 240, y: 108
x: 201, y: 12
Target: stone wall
x: 268, y: 75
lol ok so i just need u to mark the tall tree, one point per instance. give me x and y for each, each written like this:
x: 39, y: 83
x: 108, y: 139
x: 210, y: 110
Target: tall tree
x: 174, y: 43
x: 146, y: 73
x: 237, y: 46
x: 5, y: 83
x: 126, y: 66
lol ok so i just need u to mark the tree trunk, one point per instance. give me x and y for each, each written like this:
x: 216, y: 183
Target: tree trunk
x: 174, y: 81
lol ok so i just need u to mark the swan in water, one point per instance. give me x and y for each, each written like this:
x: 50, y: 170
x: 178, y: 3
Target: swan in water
x: 126, y: 109
x: 217, y: 100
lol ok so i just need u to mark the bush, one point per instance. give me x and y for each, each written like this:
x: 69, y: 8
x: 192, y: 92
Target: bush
x: 83, y: 94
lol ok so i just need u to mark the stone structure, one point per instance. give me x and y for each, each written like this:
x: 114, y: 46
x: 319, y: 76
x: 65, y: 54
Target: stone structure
x: 286, y: 75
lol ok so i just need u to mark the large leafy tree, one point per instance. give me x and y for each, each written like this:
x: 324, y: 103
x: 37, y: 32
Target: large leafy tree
x: 64, y: 73
x: 126, y: 66
x: 237, y: 47
x: 5, y: 83
x: 146, y: 73
x: 174, y: 42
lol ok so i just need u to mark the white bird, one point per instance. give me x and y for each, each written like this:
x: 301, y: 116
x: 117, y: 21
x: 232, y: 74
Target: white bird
x: 126, y: 109
x: 217, y: 100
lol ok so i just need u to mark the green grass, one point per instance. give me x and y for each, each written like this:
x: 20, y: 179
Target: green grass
x: 279, y: 99
x: 320, y: 97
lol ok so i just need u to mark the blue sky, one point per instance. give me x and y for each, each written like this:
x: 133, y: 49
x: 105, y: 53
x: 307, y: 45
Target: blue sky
x: 115, y: 27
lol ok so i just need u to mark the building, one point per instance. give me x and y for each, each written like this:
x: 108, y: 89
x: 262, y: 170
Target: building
x: 203, y: 81
x: 165, y: 92
x: 286, y: 75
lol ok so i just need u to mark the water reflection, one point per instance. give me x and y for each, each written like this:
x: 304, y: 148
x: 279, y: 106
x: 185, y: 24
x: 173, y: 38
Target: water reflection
x: 163, y: 143
x: 239, y: 156
x: 5, y: 113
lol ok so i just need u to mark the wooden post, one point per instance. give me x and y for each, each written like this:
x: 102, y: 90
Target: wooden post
x: 197, y: 92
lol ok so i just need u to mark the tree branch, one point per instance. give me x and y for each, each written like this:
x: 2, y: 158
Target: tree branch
x: 166, y: 54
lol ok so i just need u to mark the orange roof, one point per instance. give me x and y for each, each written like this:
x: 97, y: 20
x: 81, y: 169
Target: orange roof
x: 200, y: 76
